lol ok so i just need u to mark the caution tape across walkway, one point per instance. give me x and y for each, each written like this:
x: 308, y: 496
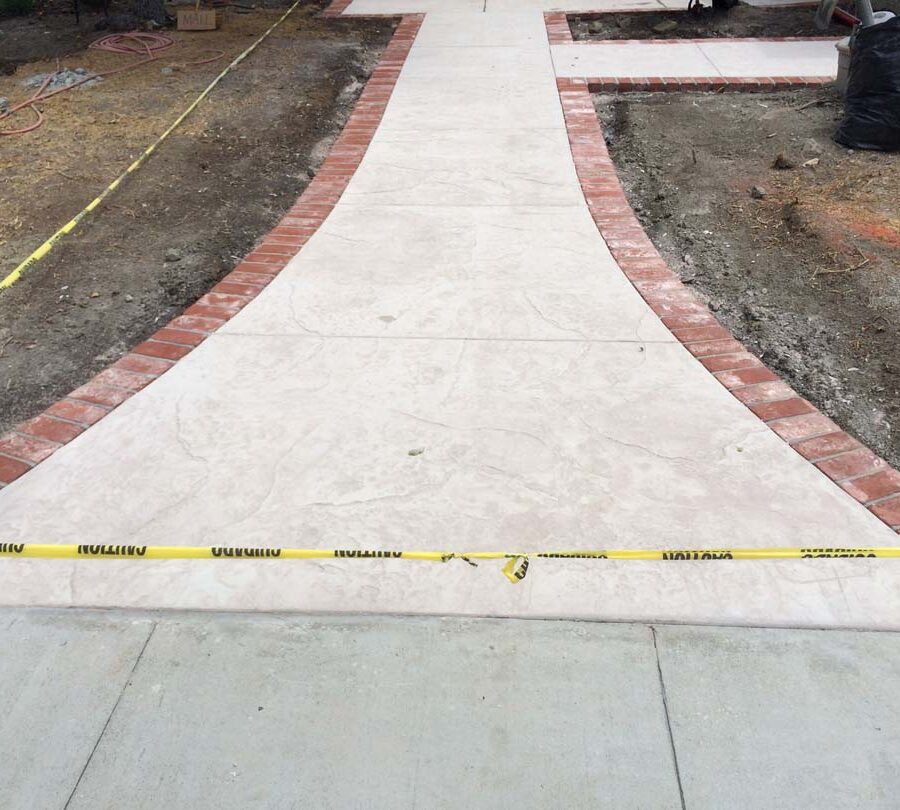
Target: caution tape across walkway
x: 515, y: 568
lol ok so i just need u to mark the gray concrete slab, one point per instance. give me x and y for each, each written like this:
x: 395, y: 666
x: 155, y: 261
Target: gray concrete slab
x: 765, y: 719
x: 256, y: 712
x: 61, y: 675
x: 729, y: 59
x: 453, y: 29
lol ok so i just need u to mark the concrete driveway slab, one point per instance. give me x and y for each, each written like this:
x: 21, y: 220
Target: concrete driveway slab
x: 59, y: 682
x: 762, y: 718
x: 380, y: 713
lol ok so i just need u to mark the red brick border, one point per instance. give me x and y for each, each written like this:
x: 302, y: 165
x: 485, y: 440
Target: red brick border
x: 699, y: 84
x: 559, y: 32
x: 702, y: 40
x: 33, y: 441
x: 336, y: 8
x: 858, y: 471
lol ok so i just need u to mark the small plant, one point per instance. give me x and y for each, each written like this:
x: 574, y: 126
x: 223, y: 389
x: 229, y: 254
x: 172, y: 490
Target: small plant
x: 10, y: 7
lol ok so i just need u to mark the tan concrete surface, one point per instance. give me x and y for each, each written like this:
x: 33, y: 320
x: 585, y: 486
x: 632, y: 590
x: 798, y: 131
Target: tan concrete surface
x: 458, y: 302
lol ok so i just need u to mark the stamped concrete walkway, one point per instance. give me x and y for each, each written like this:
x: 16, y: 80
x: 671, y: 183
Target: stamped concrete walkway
x: 460, y: 302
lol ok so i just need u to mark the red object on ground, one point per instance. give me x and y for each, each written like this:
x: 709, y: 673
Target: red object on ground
x: 844, y: 18
x: 135, y: 42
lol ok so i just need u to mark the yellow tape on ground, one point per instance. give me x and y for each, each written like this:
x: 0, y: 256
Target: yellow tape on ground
x: 515, y: 569
x: 46, y: 247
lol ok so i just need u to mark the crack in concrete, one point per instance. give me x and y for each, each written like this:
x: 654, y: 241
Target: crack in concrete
x: 634, y: 446
x: 550, y: 321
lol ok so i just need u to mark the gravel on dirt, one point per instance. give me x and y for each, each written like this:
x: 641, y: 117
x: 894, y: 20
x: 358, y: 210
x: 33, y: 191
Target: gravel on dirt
x: 802, y: 264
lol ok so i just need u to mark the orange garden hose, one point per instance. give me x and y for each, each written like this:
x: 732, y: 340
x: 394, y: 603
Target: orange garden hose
x: 138, y: 43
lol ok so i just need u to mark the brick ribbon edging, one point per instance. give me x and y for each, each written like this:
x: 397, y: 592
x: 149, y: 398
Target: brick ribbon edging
x: 702, y: 84
x: 856, y: 469
x: 31, y: 442
x: 336, y: 8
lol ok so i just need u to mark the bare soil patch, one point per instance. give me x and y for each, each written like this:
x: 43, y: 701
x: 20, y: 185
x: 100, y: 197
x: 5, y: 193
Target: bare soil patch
x: 219, y: 183
x: 806, y: 268
x: 740, y: 21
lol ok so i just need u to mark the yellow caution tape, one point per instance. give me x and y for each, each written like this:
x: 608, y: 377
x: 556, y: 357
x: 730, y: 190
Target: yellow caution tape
x: 45, y: 248
x: 515, y: 569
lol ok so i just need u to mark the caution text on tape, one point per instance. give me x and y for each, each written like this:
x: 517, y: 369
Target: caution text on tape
x: 515, y: 568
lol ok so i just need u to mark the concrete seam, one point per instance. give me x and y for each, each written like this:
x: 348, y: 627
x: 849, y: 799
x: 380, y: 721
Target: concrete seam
x: 665, y: 705
x: 134, y: 667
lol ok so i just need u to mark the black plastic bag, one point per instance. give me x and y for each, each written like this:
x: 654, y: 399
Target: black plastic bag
x: 872, y: 106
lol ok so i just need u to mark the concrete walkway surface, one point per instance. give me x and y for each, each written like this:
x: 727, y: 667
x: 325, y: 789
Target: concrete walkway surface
x: 459, y: 303
x: 454, y: 361
x: 158, y: 711
x: 745, y: 59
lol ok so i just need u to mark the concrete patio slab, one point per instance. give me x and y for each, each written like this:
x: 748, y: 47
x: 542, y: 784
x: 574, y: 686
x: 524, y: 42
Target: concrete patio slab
x: 762, y: 718
x: 518, y: 273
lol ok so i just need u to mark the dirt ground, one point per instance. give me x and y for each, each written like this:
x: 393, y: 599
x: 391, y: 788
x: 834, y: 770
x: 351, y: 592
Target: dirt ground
x: 807, y: 271
x: 740, y: 21
x: 219, y: 183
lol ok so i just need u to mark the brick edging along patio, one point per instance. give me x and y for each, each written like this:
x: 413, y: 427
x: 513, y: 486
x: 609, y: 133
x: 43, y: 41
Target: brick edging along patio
x: 35, y: 440
x: 857, y: 470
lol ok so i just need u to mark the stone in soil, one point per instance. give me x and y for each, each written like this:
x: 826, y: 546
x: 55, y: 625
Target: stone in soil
x: 62, y: 78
